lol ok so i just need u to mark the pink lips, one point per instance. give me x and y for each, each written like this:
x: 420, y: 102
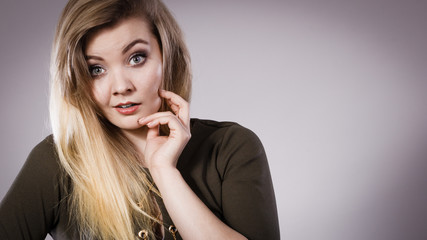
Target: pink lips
x: 127, y: 108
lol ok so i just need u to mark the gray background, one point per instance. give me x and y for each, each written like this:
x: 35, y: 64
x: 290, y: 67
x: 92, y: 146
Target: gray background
x: 334, y: 89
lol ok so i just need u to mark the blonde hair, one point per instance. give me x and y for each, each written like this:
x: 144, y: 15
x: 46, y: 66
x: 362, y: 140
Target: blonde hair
x: 110, y: 197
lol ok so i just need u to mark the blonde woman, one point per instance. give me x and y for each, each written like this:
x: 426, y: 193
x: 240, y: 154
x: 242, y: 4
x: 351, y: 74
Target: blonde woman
x: 125, y: 160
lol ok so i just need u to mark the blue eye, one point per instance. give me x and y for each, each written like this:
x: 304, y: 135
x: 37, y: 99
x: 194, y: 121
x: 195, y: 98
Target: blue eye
x: 96, y: 71
x: 137, y: 59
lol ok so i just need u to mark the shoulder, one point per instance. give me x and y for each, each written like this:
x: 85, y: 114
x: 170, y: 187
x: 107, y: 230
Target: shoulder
x: 224, y: 130
x: 44, y: 157
x: 45, y: 148
x: 42, y: 169
x: 30, y: 209
x: 230, y: 144
x: 41, y: 173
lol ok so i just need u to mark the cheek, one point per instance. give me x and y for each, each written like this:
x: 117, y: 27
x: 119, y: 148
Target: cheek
x: 98, y: 92
x: 159, y: 72
x: 154, y: 86
x: 157, y: 79
x: 157, y: 100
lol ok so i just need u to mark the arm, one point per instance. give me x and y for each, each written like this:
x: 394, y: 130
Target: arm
x: 191, y: 216
x: 248, y: 200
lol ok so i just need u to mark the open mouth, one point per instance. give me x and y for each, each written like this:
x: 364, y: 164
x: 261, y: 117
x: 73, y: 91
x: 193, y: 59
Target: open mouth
x: 128, y: 108
x: 127, y: 105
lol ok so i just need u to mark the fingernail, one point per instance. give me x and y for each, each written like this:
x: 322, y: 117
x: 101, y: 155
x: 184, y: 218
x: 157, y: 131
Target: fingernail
x: 141, y: 120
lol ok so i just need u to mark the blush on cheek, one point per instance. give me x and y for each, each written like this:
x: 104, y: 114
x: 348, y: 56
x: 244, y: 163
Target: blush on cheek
x: 159, y: 72
x: 98, y: 95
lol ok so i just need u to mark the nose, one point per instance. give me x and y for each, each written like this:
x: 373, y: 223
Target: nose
x: 122, y: 84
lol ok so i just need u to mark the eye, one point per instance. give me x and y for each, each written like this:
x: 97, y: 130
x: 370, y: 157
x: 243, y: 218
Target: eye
x: 96, y: 71
x: 137, y: 59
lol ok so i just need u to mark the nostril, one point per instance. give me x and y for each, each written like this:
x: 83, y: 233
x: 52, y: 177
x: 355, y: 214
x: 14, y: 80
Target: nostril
x: 122, y: 91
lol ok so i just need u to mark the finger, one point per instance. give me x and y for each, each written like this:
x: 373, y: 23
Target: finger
x: 153, y: 133
x: 149, y: 118
x: 174, y: 124
x: 178, y: 105
x: 175, y: 108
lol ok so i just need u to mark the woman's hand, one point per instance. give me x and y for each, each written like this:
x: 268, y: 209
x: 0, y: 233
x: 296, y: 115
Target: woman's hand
x: 161, y: 156
x: 164, y: 151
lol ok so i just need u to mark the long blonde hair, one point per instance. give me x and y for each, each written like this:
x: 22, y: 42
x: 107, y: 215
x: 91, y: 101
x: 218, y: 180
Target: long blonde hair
x: 110, y: 195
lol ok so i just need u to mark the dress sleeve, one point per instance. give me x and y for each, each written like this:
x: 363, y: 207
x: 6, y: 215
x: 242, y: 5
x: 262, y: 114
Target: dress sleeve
x: 248, y: 200
x: 29, y: 209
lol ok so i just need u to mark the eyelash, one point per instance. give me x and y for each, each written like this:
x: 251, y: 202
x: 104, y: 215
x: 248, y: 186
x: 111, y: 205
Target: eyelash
x: 92, y: 68
x: 142, y: 55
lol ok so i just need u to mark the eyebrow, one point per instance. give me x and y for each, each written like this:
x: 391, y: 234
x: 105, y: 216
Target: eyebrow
x: 125, y: 49
x: 133, y: 43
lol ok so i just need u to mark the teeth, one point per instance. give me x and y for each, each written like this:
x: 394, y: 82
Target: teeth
x: 126, y: 106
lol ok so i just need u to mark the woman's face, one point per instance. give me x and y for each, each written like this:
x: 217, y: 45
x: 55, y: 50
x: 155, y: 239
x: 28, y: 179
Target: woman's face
x: 126, y: 66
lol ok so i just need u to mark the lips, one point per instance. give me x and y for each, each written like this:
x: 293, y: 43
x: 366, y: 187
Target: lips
x: 126, y: 105
x: 127, y: 108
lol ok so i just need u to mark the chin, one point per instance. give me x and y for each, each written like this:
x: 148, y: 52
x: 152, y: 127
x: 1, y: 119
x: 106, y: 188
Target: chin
x: 128, y: 124
x: 130, y: 128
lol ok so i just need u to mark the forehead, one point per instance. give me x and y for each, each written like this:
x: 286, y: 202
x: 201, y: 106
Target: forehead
x: 118, y: 35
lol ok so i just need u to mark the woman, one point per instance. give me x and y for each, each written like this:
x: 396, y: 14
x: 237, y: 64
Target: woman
x: 125, y: 160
